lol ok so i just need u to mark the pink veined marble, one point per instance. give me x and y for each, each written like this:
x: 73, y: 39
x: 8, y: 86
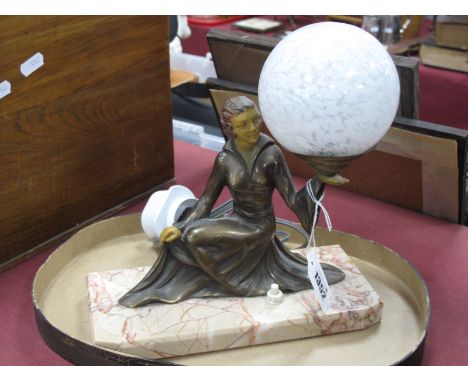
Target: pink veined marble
x: 208, y: 324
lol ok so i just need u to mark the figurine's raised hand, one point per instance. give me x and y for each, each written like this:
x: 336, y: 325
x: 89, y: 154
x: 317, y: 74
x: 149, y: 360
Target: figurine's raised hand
x: 334, y: 180
x: 170, y: 234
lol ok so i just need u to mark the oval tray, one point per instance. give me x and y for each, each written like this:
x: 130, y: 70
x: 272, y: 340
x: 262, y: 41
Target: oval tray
x: 62, y: 313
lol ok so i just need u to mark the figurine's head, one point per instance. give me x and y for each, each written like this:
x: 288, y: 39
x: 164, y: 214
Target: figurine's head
x: 241, y: 120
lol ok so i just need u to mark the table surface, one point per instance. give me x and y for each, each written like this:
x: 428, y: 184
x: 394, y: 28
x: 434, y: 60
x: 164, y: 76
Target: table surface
x: 443, y: 94
x: 438, y: 249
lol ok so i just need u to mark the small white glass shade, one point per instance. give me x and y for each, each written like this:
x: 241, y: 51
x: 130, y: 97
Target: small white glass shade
x: 329, y: 89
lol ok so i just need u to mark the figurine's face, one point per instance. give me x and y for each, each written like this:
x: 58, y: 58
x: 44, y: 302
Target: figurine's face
x: 246, y: 127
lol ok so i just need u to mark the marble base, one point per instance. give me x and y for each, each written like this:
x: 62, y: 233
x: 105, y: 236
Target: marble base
x: 207, y: 324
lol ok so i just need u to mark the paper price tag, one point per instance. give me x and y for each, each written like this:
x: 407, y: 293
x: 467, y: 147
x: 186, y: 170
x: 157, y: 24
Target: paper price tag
x: 318, y: 279
x: 32, y: 64
x: 5, y: 89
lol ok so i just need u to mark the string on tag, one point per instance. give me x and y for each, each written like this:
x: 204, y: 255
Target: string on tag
x: 318, y: 205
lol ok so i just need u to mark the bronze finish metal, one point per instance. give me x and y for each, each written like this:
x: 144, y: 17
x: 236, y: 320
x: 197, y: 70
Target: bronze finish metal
x: 238, y: 254
x: 328, y: 167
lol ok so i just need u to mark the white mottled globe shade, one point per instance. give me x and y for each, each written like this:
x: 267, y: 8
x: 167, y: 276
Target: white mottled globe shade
x: 329, y: 89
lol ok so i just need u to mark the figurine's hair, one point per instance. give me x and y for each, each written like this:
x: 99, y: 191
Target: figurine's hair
x: 233, y: 107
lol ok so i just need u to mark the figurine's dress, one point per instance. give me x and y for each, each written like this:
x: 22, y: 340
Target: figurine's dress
x: 237, y: 255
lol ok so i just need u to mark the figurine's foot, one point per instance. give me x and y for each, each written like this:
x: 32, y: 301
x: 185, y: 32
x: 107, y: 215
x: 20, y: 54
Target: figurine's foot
x: 335, y: 180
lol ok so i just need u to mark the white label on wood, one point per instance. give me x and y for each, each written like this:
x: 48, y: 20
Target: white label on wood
x: 318, y: 279
x: 32, y: 64
x: 5, y: 89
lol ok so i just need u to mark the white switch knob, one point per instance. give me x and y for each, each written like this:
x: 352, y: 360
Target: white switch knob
x: 274, y: 295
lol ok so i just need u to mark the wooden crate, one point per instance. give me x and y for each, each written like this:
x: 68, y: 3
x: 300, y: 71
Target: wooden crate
x: 87, y: 132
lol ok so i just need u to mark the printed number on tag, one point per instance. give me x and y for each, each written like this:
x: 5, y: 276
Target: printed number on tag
x: 318, y: 279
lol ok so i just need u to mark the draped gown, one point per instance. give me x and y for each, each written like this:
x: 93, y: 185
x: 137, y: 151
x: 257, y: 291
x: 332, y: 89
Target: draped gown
x: 239, y: 254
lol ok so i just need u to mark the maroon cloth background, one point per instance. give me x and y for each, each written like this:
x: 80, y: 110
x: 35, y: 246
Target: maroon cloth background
x: 438, y: 249
x: 443, y: 97
x: 443, y: 94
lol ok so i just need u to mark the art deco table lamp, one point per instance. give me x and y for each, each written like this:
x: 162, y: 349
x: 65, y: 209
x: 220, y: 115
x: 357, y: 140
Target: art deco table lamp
x: 213, y: 279
x: 328, y: 92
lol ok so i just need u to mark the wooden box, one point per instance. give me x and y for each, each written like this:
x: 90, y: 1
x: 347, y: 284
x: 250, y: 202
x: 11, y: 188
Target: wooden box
x: 85, y: 133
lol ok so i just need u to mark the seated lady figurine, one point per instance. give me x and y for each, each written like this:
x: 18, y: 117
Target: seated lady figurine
x: 239, y: 254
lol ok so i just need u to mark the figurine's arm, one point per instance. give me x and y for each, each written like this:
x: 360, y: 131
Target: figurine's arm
x: 212, y: 190
x: 298, y: 201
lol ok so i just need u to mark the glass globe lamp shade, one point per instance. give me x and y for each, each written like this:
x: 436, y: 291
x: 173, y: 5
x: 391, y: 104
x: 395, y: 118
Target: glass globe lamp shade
x: 329, y: 90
